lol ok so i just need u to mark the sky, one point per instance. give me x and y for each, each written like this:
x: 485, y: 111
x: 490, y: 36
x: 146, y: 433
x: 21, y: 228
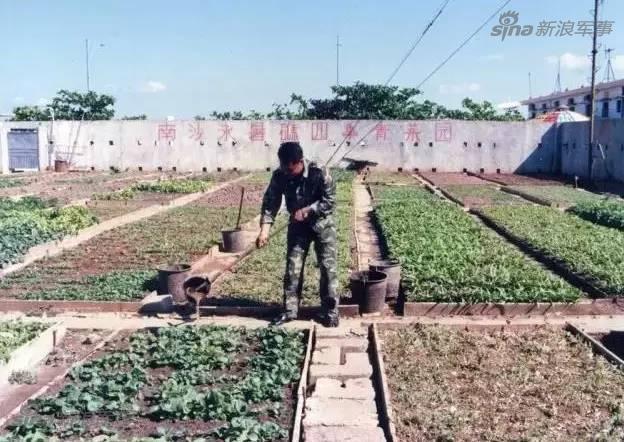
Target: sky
x: 191, y: 57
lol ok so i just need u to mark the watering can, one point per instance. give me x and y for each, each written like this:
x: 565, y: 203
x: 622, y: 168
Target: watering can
x: 196, y: 289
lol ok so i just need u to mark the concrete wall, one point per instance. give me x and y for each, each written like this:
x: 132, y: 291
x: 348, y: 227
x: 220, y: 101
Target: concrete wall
x: 446, y: 145
x: 608, y: 162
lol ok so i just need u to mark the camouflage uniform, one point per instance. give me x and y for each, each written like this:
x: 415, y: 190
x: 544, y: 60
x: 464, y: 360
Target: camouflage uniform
x: 315, y: 189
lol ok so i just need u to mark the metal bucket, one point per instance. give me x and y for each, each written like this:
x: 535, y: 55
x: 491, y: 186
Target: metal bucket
x: 368, y: 289
x: 61, y: 165
x: 233, y: 241
x: 171, y: 281
x: 392, y: 268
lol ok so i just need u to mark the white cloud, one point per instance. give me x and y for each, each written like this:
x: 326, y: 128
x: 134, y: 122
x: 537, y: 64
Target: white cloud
x: 459, y: 88
x: 492, y: 57
x: 153, y: 86
x: 18, y: 100
x: 570, y: 61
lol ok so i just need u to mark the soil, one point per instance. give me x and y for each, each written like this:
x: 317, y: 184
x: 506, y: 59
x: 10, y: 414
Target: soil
x: 105, y: 209
x: 481, y: 196
x: 500, y: 384
x: 446, y: 178
x: 182, y: 234
x: 75, y: 345
x: 534, y: 179
x: 143, y: 426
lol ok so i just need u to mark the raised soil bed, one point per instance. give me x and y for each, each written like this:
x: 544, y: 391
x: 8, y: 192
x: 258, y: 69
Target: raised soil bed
x: 217, y: 383
x: 510, y: 384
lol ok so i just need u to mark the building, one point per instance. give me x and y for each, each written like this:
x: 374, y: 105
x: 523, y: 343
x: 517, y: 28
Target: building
x: 609, y: 101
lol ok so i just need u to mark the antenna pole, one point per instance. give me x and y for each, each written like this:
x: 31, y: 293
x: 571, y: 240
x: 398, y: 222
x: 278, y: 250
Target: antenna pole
x: 592, y: 121
x: 338, y: 59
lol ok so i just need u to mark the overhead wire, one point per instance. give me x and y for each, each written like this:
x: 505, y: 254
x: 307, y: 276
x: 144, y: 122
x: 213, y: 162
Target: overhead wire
x: 401, y: 63
x: 432, y: 73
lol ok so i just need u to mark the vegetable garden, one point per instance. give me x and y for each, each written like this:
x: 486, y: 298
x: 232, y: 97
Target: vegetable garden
x: 591, y: 251
x: 190, y: 383
x: 14, y: 334
x: 449, y: 257
x: 556, y: 196
x: 119, y: 265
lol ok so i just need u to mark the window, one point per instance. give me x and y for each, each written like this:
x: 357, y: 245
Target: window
x: 544, y: 106
x: 588, y: 98
x: 532, y: 114
x: 571, y: 102
x: 588, y: 110
x: 605, y: 109
x: 618, y: 106
x: 557, y: 103
x: 573, y: 108
x: 532, y: 106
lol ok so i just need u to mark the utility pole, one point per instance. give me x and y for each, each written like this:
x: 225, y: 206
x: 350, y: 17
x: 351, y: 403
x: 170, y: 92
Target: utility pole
x: 558, y: 80
x: 592, y: 120
x: 338, y: 59
x: 87, y: 62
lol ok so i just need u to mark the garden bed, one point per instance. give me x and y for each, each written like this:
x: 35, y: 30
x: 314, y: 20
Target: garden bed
x: 389, y: 178
x: 591, y: 252
x: 447, y: 178
x: 554, y: 196
x: 507, y: 179
x: 511, y: 384
x: 259, y: 279
x: 119, y: 264
x: 447, y: 256
x: 609, y: 213
x: 183, y: 383
x: 479, y: 195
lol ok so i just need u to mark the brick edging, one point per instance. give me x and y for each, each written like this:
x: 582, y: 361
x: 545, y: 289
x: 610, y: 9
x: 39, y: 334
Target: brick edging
x: 302, y: 388
x: 383, y: 391
x: 584, y: 307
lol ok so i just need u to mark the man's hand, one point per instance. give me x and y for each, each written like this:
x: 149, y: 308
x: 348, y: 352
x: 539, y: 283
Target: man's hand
x: 263, y: 237
x: 301, y: 214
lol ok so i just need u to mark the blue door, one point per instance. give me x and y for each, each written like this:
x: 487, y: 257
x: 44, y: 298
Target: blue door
x: 23, y: 149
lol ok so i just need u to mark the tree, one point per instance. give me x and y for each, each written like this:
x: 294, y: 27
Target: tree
x: 68, y: 105
x: 377, y: 102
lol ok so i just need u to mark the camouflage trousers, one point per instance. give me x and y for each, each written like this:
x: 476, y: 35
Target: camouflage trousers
x: 300, y: 235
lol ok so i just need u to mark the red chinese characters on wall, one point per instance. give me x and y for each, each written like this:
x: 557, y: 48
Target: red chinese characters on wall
x: 225, y: 132
x: 319, y: 131
x: 195, y: 131
x: 443, y: 132
x: 256, y: 131
x: 288, y: 132
x: 167, y: 131
x: 381, y: 132
x: 349, y: 131
x: 412, y: 133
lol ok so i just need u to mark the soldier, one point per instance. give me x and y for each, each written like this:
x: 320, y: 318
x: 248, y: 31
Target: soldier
x: 310, y: 200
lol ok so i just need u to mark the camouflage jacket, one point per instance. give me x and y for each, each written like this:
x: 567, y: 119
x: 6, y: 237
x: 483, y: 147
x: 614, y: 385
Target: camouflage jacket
x: 315, y: 189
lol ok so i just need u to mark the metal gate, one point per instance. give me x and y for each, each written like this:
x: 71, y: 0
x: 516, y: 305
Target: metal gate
x: 23, y: 149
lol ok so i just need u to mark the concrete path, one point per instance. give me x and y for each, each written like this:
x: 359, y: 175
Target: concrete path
x: 341, y: 406
x: 367, y: 242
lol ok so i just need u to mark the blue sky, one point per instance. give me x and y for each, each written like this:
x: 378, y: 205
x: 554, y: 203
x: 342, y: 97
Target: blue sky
x: 193, y: 56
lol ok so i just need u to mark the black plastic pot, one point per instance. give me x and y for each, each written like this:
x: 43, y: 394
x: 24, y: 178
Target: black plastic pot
x: 392, y: 268
x: 171, y: 280
x: 368, y: 289
x: 233, y: 241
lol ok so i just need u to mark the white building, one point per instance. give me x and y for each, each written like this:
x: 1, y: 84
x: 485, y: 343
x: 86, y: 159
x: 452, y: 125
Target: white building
x: 609, y: 101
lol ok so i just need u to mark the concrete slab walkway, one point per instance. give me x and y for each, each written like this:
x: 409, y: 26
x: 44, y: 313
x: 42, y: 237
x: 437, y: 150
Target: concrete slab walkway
x: 341, y: 405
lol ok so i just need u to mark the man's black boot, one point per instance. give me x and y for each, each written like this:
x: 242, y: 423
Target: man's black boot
x: 329, y: 320
x: 282, y: 319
